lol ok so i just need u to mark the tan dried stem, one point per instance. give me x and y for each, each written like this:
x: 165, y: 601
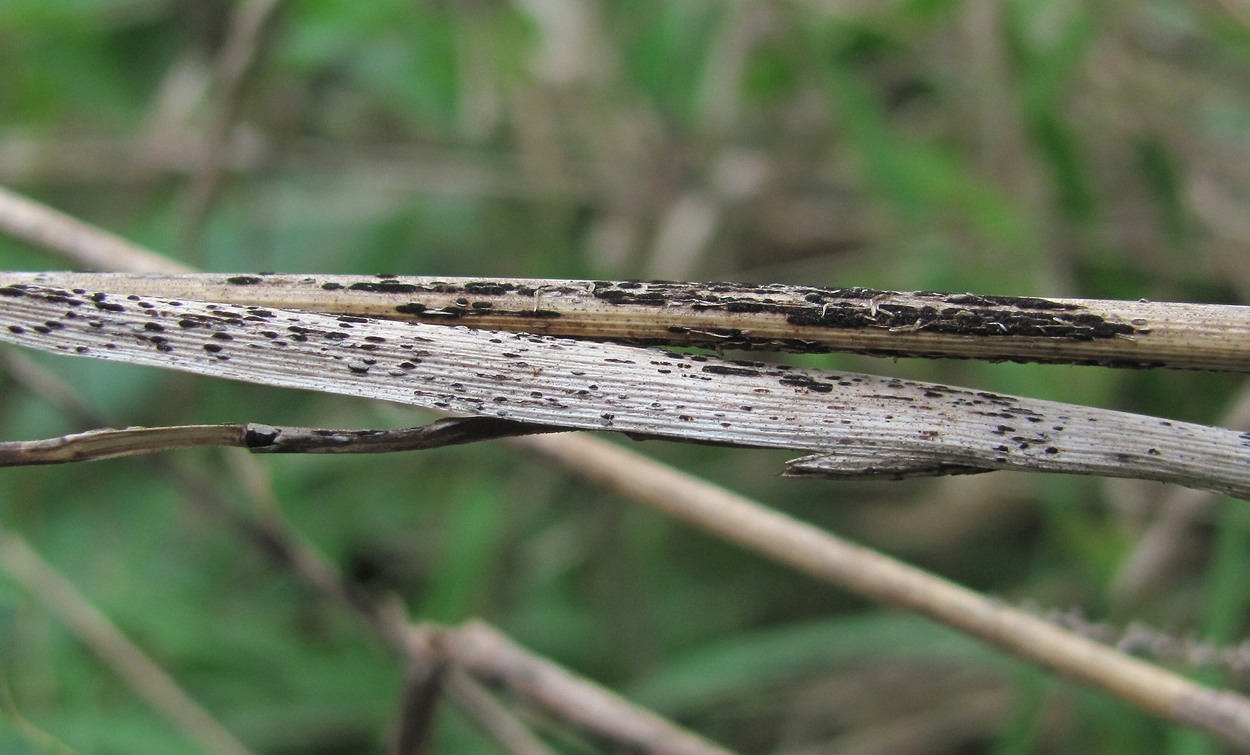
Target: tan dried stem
x: 97, y: 445
x: 851, y: 425
x: 86, y: 245
x: 126, y: 659
x: 493, y: 718
x: 774, y: 317
x: 882, y: 579
x: 487, y: 654
x: 239, y: 53
x: 877, y: 577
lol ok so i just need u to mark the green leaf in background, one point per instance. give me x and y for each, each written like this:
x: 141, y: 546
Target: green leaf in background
x: 1226, y: 606
x: 669, y: 41
x: 468, y: 566
x: 423, y: 138
x: 1046, y: 69
x: 1163, y: 181
x: 753, y: 660
x: 925, y: 183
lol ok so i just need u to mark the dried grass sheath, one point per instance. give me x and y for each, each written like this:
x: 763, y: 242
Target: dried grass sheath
x: 850, y: 424
x: 772, y: 317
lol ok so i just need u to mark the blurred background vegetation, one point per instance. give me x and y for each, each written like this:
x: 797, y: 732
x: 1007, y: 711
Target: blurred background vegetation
x: 1052, y: 147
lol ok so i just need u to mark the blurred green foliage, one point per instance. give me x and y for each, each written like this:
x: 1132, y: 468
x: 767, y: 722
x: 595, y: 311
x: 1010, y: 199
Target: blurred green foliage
x: 1056, y: 147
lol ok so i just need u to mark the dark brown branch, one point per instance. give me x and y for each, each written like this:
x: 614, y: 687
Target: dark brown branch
x: 97, y: 445
x: 419, y: 710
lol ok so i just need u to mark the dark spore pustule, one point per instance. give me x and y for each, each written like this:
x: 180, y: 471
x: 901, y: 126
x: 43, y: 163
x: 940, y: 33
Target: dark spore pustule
x: 383, y: 287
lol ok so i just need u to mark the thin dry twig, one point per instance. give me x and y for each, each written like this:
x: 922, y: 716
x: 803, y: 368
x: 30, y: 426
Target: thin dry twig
x: 267, y: 529
x: 239, y: 54
x: 487, y: 654
x: 743, y: 316
x: 418, y: 712
x: 878, y: 577
x: 853, y: 425
x: 87, y: 245
x: 493, y: 718
x: 882, y: 579
x: 281, y: 542
x: 47, y: 743
x: 108, y: 443
x: 126, y: 659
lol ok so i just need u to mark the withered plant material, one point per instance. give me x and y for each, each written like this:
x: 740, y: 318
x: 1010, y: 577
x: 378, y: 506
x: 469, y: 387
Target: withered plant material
x: 851, y: 424
x: 743, y: 316
x: 110, y: 443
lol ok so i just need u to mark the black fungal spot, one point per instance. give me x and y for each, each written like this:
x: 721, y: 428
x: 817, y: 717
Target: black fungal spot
x: 331, y: 286
x: 802, y: 381
x: 154, y: 327
x: 212, y: 348
x: 488, y: 288
x: 258, y: 436
x: 16, y: 330
x: 222, y: 336
x: 109, y: 306
x: 384, y: 287
x: 716, y: 369
x: 12, y: 291
x: 244, y: 280
x: 413, y: 308
x: 1019, y: 302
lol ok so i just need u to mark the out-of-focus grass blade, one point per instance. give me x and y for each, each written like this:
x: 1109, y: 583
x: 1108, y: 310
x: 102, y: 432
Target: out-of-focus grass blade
x: 752, y: 660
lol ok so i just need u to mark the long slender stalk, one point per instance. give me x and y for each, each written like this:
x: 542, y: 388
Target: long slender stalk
x: 851, y: 424
x: 837, y: 561
x: 127, y: 660
x: 878, y: 577
x: 488, y: 654
x: 743, y: 316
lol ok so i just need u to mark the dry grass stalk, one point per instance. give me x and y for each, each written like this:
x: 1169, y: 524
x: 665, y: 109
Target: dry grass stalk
x: 743, y: 316
x: 484, y: 652
x: 127, y: 660
x: 880, y: 578
x: 852, y: 425
x: 862, y: 571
